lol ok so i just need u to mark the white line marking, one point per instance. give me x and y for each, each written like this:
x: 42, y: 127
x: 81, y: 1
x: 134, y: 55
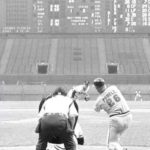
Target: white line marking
x: 82, y: 109
x: 31, y: 120
x: 132, y: 110
x: 18, y: 109
x: 141, y: 110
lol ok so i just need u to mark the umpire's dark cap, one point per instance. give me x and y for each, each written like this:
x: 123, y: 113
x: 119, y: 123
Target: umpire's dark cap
x: 60, y: 91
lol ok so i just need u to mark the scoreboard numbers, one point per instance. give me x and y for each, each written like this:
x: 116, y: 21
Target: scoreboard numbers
x: 74, y: 16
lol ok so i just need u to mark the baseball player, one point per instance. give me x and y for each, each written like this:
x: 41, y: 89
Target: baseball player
x: 57, y: 118
x: 138, y: 96
x: 80, y: 90
x: 77, y: 129
x: 78, y: 138
x: 75, y: 93
x: 114, y: 104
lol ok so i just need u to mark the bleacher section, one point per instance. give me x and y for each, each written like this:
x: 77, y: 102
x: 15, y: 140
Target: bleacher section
x: 75, y: 55
x: 26, y: 53
x: 78, y: 56
x: 2, y: 46
x: 4, y: 54
x: 128, y: 53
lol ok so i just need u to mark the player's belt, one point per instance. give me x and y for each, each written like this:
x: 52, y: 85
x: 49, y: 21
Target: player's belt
x: 57, y: 114
x: 123, y: 113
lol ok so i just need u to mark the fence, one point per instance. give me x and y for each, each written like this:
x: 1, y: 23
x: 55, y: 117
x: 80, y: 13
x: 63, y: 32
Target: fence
x: 35, y: 91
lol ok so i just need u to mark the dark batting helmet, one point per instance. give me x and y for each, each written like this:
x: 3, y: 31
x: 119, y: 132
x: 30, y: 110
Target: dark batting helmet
x: 99, y: 82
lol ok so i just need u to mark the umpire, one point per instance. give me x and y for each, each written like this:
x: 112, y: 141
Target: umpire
x: 57, y: 119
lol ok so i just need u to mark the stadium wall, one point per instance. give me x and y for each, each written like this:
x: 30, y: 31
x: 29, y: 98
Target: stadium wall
x: 34, y: 87
x: 35, y: 92
x: 75, y: 79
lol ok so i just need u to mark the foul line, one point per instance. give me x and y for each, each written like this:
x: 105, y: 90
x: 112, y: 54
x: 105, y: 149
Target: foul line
x: 82, y: 109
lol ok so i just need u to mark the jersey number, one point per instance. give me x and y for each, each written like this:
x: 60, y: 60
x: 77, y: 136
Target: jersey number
x: 111, y: 102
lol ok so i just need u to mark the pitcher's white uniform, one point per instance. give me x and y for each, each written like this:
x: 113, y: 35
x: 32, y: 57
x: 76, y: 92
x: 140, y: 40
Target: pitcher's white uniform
x: 114, y: 103
x: 77, y: 91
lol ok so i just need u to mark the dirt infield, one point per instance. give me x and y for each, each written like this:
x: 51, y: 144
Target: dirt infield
x: 80, y: 148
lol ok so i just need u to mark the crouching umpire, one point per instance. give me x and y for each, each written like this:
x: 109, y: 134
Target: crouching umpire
x: 57, y: 119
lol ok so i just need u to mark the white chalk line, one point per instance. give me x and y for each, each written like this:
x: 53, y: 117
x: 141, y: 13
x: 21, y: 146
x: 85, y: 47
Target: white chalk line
x: 31, y: 120
x: 142, y: 110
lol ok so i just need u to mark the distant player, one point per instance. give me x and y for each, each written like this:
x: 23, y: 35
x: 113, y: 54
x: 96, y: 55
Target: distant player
x: 138, y: 96
x: 80, y: 90
x: 114, y: 104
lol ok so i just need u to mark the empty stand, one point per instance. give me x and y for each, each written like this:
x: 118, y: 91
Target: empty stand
x: 67, y: 56
x: 128, y: 53
x: 95, y: 66
x: 2, y: 46
x: 52, y: 56
x: 26, y: 53
x: 5, y: 50
x: 87, y: 56
x: 75, y: 55
x: 146, y: 47
x: 12, y: 58
x: 79, y: 56
x: 74, y: 47
x: 60, y: 57
x: 101, y: 55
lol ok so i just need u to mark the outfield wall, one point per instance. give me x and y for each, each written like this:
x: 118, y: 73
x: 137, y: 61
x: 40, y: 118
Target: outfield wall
x: 24, y: 92
x: 34, y: 87
x: 75, y: 79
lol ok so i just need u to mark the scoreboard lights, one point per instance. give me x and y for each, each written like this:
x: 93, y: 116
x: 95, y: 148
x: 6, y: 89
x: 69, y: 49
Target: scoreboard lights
x: 74, y: 16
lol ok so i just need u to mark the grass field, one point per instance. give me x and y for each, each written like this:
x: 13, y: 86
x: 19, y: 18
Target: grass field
x: 18, y: 121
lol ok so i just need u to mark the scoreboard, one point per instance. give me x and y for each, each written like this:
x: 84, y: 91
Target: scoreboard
x: 74, y: 16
